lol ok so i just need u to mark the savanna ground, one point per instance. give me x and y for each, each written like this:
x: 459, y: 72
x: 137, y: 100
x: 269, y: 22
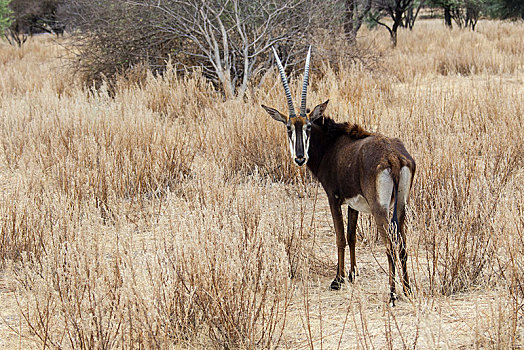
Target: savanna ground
x: 160, y: 216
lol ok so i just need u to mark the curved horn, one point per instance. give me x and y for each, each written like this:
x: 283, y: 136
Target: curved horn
x: 292, y: 113
x: 304, y: 87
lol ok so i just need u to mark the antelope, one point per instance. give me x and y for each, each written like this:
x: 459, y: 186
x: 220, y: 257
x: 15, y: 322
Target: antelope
x: 368, y: 171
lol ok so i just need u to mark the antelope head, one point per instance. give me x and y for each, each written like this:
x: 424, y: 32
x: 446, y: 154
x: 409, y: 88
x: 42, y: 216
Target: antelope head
x: 298, y: 127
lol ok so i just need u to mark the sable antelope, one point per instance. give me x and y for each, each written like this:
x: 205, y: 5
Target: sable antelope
x: 368, y: 171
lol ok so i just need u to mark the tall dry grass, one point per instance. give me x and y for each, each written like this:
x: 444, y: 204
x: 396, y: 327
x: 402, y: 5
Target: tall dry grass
x: 159, y: 215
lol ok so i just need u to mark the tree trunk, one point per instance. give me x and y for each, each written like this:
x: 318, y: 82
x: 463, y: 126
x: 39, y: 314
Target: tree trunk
x: 349, y: 27
x: 447, y: 16
x: 224, y: 77
x: 414, y: 15
x: 394, y: 38
x: 397, y: 22
x: 409, y: 18
x: 246, y: 74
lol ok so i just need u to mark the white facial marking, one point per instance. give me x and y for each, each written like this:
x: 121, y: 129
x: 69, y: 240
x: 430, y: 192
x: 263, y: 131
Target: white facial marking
x: 305, y: 138
x: 292, y: 141
x: 358, y: 203
x: 384, y: 188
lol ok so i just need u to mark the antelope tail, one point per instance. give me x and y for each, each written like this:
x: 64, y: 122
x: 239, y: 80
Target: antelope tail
x: 394, y: 218
x: 395, y: 174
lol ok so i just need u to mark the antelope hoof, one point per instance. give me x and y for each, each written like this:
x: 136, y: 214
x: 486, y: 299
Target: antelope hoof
x: 407, y: 291
x: 337, y: 283
x: 392, y: 299
x: 352, y: 276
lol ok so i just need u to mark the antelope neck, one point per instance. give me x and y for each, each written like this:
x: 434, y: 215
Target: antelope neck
x: 319, y: 143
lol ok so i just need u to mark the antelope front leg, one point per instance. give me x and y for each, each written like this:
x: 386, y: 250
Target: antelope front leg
x: 336, y: 213
x: 352, y: 240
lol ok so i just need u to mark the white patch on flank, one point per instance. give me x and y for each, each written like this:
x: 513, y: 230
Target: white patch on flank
x: 404, y: 184
x: 358, y: 203
x: 384, y: 188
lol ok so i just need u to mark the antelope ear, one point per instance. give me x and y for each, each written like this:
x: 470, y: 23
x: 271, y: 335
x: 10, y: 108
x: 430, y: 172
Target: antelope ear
x: 275, y: 114
x: 318, y: 111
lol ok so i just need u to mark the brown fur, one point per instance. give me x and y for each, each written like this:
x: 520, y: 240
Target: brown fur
x: 347, y: 161
x: 341, y: 143
x: 334, y: 129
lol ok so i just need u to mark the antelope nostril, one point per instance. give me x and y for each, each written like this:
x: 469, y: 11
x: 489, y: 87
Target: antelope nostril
x: 300, y: 161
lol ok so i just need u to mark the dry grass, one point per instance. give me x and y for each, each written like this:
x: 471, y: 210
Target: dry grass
x: 159, y: 216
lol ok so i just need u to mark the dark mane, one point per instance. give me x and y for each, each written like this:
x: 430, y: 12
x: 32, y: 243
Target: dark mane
x: 335, y: 130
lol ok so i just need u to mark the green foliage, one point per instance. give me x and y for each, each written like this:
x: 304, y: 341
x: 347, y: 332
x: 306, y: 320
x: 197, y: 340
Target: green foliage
x: 5, y: 16
x: 372, y: 18
x: 457, y: 3
x: 506, y: 9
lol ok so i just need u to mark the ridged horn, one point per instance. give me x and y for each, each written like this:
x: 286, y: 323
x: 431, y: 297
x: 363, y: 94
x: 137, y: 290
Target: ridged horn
x: 304, y: 86
x: 292, y: 113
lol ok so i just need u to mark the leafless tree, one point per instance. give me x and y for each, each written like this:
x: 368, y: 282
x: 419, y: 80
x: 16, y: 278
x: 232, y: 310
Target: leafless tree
x: 354, y: 12
x: 228, y: 38
x: 109, y: 37
x: 31, y: 16
x: 395, y: 10
x: 466, y: 13
x: 472, y: 14
x: 15, y: 37
x: 412, y: 13
x: 336, y: 15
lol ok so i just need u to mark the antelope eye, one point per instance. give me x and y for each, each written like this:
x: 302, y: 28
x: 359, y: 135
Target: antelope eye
x: 308, y: 127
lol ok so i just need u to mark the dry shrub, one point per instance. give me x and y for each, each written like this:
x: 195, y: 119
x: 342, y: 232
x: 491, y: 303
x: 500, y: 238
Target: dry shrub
x: 27, y: 220
x: 432, y: 49
x: 463, y: 188
x: 95, y: 149
x: 160, y: 214
x: 462, y: 252
x: 218, y: 277
x: 113, y: 167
